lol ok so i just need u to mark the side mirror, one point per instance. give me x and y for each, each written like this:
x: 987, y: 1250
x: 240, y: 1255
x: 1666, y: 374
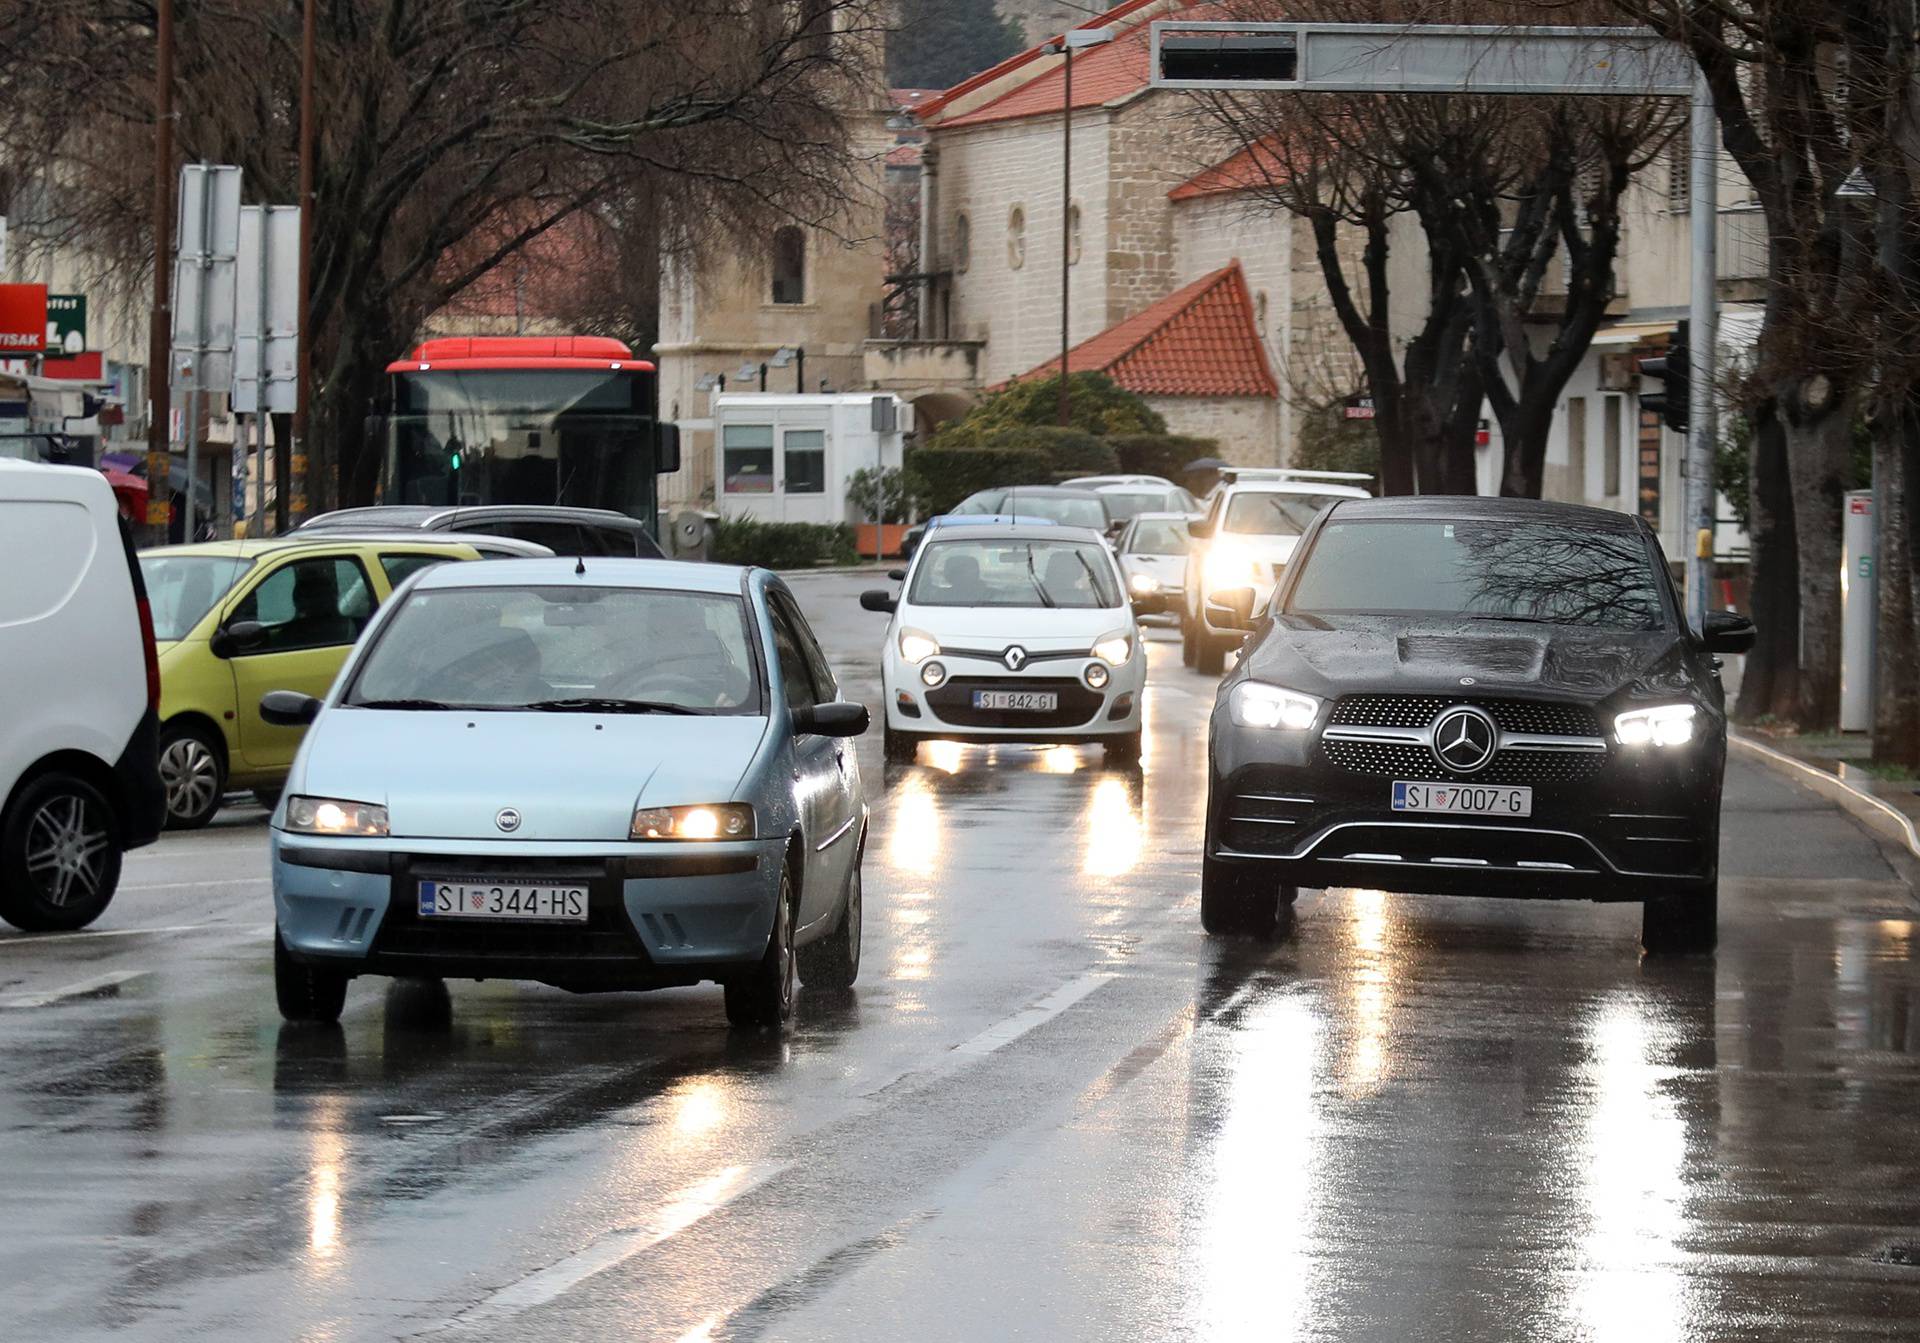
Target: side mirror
x: 897, y: 575
x: 1728, y: 632
x: 1200, y: 529
x: 831, y: 720
x: 877, y: 600
x: 243, y: 636
x: 666, y: 448
x: 1231, y: 609
x: 289, y: 708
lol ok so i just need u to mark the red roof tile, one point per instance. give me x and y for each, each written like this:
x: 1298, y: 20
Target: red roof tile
x: 1253, y: 167
x: 1099, y: 69
x: 1198, y: 341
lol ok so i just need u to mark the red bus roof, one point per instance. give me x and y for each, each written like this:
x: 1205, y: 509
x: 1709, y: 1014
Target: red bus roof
x: 498, y: 352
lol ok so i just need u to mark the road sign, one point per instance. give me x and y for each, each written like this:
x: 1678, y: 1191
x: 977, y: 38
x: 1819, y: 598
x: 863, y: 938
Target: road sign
x: 267, y: 310
x: 23, y: 318
x: 1358, y: 408
x: 204, y: 275
x: 66, y: 324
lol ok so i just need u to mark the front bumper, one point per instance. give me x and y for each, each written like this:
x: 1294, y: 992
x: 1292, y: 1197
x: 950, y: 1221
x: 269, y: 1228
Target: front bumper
x: 1084, y: 714
x: 1636, y: 826
x: 658, y: 914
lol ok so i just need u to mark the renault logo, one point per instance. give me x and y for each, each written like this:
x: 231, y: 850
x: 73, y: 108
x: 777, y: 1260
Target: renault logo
x: 507, y: 819
x: 1464, y: 739
x: 1015, y: 658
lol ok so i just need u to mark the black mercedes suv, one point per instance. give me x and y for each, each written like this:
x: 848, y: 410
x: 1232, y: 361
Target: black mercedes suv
x: 1471, y: 696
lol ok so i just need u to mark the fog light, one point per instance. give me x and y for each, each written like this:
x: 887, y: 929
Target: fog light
x: 1098, y: 676
x: 933, y: 674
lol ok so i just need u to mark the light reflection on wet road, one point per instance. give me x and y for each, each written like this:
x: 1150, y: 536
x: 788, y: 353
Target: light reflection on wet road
x: 1051, y: 1108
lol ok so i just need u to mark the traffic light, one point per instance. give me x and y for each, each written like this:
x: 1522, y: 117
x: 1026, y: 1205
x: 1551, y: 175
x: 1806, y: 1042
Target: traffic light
x: 1674, y: 370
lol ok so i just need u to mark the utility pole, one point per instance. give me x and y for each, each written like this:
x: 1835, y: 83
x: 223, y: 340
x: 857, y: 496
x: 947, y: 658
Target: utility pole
x: 293, y: 480
x: 160, y: 333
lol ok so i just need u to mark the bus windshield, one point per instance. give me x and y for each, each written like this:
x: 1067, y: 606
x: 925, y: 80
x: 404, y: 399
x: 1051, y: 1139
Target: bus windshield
x: 577, y: 436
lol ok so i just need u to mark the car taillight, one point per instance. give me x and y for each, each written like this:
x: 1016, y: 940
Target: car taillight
x: 152, y: 653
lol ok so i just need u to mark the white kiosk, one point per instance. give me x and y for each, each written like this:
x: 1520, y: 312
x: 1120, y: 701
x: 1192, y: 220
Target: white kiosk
x: 788, y: 458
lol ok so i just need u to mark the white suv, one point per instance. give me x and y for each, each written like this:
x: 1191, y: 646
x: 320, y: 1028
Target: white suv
x: 79, y: 693
x: 1243, y: 543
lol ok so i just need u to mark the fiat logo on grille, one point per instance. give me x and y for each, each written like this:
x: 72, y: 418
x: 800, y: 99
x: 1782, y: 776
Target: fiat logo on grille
x: 507, y: 819
x: 1464, y: 739
x: 1015, y: 658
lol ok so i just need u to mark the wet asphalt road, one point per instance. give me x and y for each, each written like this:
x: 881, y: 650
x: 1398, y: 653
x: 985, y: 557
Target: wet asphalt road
x: 1051, y: 1109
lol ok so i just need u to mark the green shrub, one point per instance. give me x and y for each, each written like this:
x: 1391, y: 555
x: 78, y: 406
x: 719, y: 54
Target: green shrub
x: 1163, y: 455
x: 1331, y: 442
x: 1069, y: 452
x: 782, y: 545
x: 941, y: 477
x: 881, y: 493
x: 1098, y: 405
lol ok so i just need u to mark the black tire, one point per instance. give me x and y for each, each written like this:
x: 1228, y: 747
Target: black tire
x: 1189, y: 647
x: 1211, y: 654
x: 1123, y: 750
x: 898, y: 748
x: 194, y: 769
x: 763, y: 997
x: 59, y: 855
x: 305, y: 993
x: 1681, y: 925
x: 1235, y: 900
x: 267, y: 797
x: 833, y: 962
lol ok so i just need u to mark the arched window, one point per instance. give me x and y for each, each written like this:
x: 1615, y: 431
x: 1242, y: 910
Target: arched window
x: 962, y: 243
x: 1073, y: 233
x: 1017, y: 238
x: 789, y: 265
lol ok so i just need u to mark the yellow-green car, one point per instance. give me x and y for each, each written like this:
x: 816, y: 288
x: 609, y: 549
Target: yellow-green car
x: 235, y: 619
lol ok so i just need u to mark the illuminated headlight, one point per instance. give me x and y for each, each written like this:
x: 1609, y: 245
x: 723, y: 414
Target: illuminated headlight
x: 331, y: 816
x: 1254, y: 704
x: 1114, y: 649
x: 1666, y: 725
x: 725, y: 820
x: 918, y: 647
x: 933, y: 674
x: 1097, y: 675
x: 1230, y: 567
x: 1144, y: 585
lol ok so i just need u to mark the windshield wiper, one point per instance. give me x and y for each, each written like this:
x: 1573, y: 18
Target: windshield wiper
x: 1046, y: 598
x: 592, y: 705
x: 423, y: 704
x: 1517, y: 620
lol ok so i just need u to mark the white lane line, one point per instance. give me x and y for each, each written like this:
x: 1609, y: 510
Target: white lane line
x: 1006, y: 1032
x: 616, y: 1247
x: 188, y: 885
x: 92, y: 934
x: 98, y: 984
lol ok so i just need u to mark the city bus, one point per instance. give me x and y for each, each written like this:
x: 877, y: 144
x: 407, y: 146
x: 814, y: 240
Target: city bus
x: 524, y: 420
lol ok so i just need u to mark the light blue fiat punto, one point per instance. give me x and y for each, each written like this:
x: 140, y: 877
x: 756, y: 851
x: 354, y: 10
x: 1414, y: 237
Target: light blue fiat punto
x: 604, y: 774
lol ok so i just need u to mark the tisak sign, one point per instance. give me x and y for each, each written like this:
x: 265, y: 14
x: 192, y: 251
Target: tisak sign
x: 23, y: 319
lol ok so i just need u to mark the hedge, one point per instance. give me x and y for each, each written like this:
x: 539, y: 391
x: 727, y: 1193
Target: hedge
x: 782, y: 545
x: 1097, y: 405
x: 1164, y: 455
x: 1069, y: 452
x: 942, y: 477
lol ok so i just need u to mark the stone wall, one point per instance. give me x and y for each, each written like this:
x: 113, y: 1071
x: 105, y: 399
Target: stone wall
x: 1246, y: 427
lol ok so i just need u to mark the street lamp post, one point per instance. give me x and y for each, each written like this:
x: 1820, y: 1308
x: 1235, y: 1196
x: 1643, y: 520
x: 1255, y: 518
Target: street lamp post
x: 1076, y: 39
x: 160, y: 335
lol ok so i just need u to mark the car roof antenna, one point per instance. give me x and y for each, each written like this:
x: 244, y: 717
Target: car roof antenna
x: 579, y: 566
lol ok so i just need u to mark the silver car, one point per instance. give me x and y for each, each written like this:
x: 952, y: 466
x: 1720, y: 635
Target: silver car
x: 1153, y: 555
x: 604, y: 774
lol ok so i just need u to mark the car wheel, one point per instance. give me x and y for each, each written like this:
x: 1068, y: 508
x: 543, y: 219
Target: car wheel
x: 764, y: 995
x: 195, y: 778
x: 833, y: 962
x: 304, y: 992
x: 899, y: 748
x: 1211, y: 654
x: 59, y: 855
x: 1234, y: 900
x: 1123, y: 750
x: 1680, y: 925
x: 1189, y: 648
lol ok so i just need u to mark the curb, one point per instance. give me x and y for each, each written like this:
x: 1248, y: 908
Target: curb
x: 1864, y: 805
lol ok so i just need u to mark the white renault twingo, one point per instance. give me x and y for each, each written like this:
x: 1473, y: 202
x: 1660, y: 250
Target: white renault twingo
x: 1011, y: 630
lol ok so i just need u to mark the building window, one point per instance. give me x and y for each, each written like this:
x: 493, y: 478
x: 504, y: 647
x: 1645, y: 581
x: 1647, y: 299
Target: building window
x: 962, y: 243
x: 805, y: 461
x: 1073, y: 234
x: 1577, y: 448
x: 747, y: 458
x: 789, y: 265
x: 1017, y: 238
x: 1679, y: 179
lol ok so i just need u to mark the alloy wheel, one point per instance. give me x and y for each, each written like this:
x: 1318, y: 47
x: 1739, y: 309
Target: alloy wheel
x: 66, y: 850
x: 190, y: 774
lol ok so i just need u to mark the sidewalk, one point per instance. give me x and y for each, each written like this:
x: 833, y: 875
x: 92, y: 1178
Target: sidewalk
x: 1837, y: 764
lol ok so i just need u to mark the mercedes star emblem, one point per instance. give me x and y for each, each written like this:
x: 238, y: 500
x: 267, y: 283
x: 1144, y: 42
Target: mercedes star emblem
x: 1464, y: 739
x: 1015, y: 658
x: 507, y: 819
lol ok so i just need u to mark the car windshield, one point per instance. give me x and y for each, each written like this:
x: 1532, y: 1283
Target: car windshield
x: 986, y: 501
x: 1259, y: 513
x: 1161, y: 536
x: 1482, y: 570
x: 182, y: 588
x: 563, y: 648
x: 1065, y: 509
x: 1001, y: 572
x: 1123, y: 504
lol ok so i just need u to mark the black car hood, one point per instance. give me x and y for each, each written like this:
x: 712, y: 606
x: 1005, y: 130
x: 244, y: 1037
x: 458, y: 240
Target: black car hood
x: 1337, y: 655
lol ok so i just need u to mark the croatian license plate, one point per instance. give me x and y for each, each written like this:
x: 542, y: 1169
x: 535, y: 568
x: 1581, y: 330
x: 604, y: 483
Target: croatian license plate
x: 528, y: 902
x: 1020, y: 701
x: 1462, y: 799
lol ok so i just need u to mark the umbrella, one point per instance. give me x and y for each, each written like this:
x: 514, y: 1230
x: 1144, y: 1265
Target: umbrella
x: 1206, y: 464
x: 131, y: 491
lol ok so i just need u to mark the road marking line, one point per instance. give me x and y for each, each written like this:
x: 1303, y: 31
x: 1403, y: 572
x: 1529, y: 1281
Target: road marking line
x: 184, y: 885
x: 98, y: 984
x: 42, y: 939
x: 616, y: 1247
x: 1006, y: 1032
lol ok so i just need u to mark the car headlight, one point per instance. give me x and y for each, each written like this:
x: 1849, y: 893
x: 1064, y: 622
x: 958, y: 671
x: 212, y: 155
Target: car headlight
x: 721, y: 820
x: 333, y: 816
x: 1255, y: 704
x: 916, y: 646
x: 1114, y: 649
x: 1144, y: 585
x: 1663, y: 725
x: 1230, y: 567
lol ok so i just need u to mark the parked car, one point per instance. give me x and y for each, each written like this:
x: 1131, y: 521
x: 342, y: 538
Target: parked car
x: 1244, y: 541
x: 235, y: 619
x: 1127, y: 496
x: 1153, y: 556
x: 79, y: 700
x: 1011, y: 632
x: 629, y: 777
x: 561, y: 528
x: 1489, y: 697
x: 1055, y: 503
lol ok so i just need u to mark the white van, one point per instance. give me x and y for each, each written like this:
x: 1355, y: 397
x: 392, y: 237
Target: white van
x: 79, y: 698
